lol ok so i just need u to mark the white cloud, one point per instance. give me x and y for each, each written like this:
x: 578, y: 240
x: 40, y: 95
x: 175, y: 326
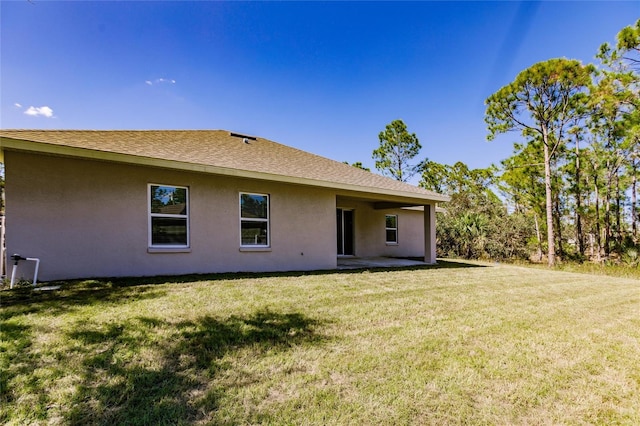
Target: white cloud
x: 43, y: 111
x: 17, y: 105
x: 160, y: 81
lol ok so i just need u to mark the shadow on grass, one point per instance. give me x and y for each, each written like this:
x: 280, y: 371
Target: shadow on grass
x: 120, y: 282
x: 152, y: 371
x: 74, y: 294
x: 449, y: 264
x: 15, y: 340
x: 71, y: 295
x: 186, y: 364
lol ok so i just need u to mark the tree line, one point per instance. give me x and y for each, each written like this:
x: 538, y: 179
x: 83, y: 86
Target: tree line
x: 569, y: 190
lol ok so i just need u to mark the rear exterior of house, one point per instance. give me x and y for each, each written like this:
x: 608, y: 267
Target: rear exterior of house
x: 104, y: 204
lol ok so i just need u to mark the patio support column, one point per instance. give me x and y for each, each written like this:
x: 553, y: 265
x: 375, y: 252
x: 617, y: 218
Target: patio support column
x: 430, y: 234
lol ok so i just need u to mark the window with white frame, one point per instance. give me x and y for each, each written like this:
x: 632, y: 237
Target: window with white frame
x: 391, y: 228
x: 254, y: 220
x: 168, y: 216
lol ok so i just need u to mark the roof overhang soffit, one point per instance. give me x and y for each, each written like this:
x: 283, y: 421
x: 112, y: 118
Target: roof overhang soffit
x: 385, y: 205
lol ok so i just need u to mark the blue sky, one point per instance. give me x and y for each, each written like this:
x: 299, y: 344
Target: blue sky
x: 325, y: 77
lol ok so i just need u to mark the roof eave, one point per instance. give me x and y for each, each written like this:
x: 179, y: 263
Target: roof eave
x: 63, y: 150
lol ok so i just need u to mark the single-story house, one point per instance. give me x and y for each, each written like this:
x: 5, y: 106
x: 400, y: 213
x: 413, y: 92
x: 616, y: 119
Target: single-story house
x: 142, y: 203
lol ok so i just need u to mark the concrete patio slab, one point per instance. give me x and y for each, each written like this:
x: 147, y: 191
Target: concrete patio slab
x: 375, y: 262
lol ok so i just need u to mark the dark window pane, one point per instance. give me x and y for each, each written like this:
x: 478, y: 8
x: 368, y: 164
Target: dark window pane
x: 168, y: 231
x: 168, y: 200
x: 392, y: 236
x: 253, y: 206
x: 391, y: 221
x: 254, y: 233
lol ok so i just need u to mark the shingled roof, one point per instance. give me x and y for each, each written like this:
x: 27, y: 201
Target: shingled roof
x: 212, y: 151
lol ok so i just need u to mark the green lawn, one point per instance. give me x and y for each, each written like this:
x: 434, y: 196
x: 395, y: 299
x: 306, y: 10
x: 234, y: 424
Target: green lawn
x: 457, y: 344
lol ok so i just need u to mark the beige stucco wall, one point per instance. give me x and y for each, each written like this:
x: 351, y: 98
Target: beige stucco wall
x: 87, y: 218
x: 370, y: 235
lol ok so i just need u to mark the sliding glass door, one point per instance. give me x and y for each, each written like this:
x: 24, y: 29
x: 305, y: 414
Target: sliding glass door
x: 344, y: 220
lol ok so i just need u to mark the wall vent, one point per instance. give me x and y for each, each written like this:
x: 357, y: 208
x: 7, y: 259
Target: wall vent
x: 245, y: 138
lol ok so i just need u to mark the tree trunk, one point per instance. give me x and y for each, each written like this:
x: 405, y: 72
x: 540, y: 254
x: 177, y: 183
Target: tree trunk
x: 578, y: 196
x: 399, y: 158
x: 597, y: 193
x: 538, y: 236
x: 558, y: 220
x: 634, y: 207
x: 618, y: 233
x: 607, y: 214
x: 551, y: 250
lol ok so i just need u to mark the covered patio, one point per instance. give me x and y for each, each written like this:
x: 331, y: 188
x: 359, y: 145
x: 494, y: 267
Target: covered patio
x: 345, y: 263
x: 359, y: 236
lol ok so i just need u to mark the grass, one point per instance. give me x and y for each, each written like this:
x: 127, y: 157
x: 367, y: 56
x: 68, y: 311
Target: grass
x: 591, y: 268
x: 455, y: 344
x: 621, y: 270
